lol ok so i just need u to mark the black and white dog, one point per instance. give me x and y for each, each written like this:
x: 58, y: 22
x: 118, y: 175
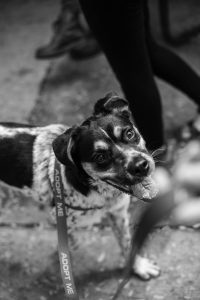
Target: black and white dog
x: 103, y: 162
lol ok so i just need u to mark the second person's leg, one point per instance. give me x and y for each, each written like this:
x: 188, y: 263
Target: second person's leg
x: 119, y: 28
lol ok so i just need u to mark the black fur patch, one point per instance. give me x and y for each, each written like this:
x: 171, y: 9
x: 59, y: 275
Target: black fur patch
x: 79, y: 183
x: 16, y: 159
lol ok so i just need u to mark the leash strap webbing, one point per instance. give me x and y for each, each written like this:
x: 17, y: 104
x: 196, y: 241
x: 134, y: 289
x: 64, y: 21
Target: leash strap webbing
x: 63, y: 249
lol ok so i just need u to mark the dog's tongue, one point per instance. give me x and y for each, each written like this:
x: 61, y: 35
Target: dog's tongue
x: 146, y: 189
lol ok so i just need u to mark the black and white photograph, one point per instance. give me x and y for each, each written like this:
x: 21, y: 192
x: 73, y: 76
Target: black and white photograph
x: 99, y: 150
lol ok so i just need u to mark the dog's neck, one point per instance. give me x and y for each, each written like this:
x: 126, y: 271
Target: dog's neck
x: 105, y: 189
x: 96, y: 193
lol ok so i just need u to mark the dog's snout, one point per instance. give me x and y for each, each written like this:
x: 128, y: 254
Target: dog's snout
x: 139, y: 167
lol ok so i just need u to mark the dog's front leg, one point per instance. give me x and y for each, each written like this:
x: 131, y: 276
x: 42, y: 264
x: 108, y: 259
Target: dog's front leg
x: 119, y: 221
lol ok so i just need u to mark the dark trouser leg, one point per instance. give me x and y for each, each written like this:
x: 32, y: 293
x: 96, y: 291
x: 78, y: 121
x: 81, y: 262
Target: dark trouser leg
x: 119, y: 28
x: 170, y: 67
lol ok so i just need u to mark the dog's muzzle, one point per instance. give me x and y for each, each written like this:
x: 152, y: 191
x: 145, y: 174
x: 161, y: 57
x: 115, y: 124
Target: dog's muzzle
x: 139, y: 167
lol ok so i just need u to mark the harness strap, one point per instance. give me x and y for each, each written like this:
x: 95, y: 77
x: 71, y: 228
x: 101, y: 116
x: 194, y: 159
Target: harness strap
x: 63, y: 249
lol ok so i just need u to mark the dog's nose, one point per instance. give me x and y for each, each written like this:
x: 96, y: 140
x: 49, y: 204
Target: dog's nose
x: 139, y: 167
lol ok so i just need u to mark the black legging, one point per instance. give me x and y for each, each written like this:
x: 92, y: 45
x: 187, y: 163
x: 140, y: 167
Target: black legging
x: 122, y: 29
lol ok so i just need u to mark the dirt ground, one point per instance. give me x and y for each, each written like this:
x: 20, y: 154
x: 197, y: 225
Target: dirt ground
x: 63, y: 90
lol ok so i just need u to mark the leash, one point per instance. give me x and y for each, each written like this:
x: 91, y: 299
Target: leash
x: 63, y: 249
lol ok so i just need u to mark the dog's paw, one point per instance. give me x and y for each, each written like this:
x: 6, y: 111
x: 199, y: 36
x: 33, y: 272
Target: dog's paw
x: 145, y: 268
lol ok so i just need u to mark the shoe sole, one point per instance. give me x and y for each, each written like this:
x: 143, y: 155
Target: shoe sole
x: 59, y: 53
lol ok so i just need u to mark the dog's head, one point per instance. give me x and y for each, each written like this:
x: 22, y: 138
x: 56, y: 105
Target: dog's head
x: 108, y: 147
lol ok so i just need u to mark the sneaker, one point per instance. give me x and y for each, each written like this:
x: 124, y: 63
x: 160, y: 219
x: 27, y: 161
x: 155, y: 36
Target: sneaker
x: 68, y: 33
x: 62, y: 41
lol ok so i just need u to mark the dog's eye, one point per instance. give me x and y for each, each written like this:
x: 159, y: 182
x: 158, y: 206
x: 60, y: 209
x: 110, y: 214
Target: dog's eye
x: 101, y: 158
x: 129, y: 134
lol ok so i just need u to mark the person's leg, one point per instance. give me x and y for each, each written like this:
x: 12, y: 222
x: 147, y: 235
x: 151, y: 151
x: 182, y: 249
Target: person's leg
x: 119, y: 28
x: 167, y: 65
x: 171, y: 68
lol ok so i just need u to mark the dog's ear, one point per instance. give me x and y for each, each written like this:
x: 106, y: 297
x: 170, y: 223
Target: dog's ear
x: 111, y: 104
x: 64, y: 147
x: 63, y: 144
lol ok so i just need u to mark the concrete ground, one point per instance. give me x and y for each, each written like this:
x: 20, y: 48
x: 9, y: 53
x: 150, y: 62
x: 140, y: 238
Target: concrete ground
x: 63, y: 90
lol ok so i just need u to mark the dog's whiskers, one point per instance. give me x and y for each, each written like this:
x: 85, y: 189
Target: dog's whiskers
x: 158, y: 152
x: 160, y: 161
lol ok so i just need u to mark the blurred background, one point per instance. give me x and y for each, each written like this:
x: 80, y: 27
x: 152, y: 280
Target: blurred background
x: 64, y: 90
